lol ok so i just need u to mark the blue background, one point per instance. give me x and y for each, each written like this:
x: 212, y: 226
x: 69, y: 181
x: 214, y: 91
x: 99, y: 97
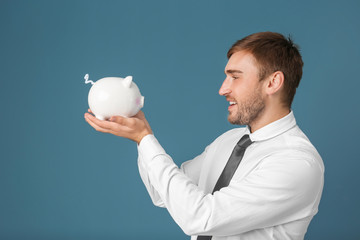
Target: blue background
x: 60, y: 179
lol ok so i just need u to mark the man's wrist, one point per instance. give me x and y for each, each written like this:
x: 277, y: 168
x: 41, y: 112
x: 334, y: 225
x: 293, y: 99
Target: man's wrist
x: 142, y: 135
x: 149, y: 147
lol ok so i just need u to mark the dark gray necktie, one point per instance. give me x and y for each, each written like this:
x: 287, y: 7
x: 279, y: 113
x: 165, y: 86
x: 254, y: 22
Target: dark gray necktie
x: 230, y: 168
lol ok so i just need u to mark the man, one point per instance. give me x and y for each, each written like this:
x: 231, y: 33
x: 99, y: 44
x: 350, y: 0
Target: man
x: 274, y: 192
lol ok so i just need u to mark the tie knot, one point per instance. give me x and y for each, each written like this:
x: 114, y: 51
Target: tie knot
x: 245, y: 141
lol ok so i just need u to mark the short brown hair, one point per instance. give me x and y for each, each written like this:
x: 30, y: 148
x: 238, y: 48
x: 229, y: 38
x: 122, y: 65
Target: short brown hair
x: 273, y: 52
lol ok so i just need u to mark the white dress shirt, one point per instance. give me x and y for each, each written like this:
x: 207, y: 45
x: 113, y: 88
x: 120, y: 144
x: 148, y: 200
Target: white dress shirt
x: 274, y: 193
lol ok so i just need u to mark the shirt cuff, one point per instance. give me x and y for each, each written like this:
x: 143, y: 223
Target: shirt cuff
x: 149, y: 147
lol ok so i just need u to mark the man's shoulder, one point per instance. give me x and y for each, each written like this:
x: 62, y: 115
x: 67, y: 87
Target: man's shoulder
x: 293, y: 144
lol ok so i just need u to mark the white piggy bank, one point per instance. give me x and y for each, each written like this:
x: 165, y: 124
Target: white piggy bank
x: 114, y: 96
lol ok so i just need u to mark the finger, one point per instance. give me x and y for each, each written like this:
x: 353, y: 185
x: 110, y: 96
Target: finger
x: 101, y: 123
x: 97, y: 122
x: 140, y: 115
x: 89, y: 110
x: 128, y: 121
x: 117, y: 119
x: 95, y: 126
x: 116, y: 129
x: 123, y: 122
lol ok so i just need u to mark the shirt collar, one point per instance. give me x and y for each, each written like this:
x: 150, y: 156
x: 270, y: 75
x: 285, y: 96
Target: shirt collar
x: 273, y: 129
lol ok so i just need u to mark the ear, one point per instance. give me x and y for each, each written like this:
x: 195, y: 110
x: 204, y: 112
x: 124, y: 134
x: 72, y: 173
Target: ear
x: 275, y: 82
x: 127, y: 81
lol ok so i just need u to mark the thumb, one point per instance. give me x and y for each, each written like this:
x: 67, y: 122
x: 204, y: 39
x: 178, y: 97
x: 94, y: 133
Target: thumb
x: 140, y: 115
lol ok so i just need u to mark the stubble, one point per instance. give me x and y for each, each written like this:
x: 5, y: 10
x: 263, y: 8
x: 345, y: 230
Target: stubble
x: 248, y: 110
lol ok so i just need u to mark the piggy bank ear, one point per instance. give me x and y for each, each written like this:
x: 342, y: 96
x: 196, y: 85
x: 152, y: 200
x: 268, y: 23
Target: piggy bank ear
x: 127, y: 81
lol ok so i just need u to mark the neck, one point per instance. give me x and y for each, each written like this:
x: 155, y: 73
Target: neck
x: 268, y: 116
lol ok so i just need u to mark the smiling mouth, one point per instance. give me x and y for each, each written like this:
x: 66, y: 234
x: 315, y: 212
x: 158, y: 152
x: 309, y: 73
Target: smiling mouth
x: 232, y: 103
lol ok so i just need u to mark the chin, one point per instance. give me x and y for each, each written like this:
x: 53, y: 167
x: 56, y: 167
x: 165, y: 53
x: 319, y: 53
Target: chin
x: 237, y: 119
x: 233, y: 120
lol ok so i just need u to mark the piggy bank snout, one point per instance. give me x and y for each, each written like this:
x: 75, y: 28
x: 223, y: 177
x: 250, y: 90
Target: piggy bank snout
x: 140, y: 101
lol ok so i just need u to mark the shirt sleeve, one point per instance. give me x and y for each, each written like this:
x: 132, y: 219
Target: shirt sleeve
x: 190, y: 168
x: 281, y: 189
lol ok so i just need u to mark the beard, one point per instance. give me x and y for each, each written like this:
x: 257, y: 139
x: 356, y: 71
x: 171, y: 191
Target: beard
x: 248, y: 110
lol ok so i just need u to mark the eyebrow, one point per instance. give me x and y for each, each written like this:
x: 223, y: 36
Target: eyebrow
x: 230, y: 71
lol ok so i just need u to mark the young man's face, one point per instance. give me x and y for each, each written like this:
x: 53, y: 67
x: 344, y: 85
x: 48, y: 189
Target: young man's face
x: 243, y: 89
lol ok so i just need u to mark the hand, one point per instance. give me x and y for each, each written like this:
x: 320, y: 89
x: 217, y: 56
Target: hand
x: 134, y: 128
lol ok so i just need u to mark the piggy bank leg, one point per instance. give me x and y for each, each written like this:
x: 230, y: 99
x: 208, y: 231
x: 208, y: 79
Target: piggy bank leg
x: 100, y: 117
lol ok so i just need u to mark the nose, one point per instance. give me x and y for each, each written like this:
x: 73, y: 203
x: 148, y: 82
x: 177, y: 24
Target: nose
x: 225, y: 87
